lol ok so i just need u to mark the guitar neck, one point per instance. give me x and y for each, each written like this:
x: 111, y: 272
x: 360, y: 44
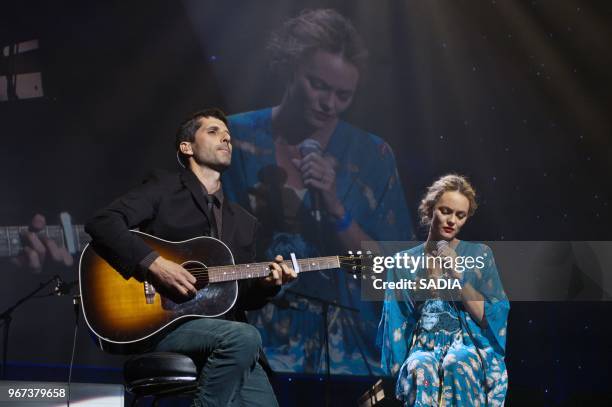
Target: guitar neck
x: 257, y: 270
x: 11, y: 245
x: 11, y: 242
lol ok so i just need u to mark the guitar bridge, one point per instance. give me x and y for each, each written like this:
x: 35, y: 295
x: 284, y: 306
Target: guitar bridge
x: 149, y: 292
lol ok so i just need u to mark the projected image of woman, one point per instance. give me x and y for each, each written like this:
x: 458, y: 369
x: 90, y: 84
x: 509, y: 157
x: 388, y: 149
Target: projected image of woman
x: 447, y: 350
x: 319, y: 186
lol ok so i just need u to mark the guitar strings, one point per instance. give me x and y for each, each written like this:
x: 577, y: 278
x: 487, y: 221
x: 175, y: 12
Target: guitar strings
x: 302, y: 262
x: 216, y: 269
x: 206, y: 272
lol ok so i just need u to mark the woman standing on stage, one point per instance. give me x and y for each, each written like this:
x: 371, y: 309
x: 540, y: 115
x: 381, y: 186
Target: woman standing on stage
x: 447, y: 346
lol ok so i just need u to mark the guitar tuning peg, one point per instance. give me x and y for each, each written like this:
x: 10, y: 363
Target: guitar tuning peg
x: 369, y: 253
x: 350, y: 252
x: 354, y: 276
x: 359, y: 253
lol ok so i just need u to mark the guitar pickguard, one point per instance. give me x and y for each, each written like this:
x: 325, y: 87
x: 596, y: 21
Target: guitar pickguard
x: 122, y: 311
x: 211, y: 301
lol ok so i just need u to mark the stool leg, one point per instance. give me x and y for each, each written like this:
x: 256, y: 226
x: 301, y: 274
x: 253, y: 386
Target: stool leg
x: 134, y: 401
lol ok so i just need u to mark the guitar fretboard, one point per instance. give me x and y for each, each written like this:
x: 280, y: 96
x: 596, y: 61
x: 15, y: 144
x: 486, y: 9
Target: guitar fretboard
x: 254, y: 270
x: 11, y: 242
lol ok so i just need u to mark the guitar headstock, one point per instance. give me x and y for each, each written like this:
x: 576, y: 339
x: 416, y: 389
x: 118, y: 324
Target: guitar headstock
x: 356, y: 263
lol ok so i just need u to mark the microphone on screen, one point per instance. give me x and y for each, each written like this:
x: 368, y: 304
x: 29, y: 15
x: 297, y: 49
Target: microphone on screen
x: 309, y: 146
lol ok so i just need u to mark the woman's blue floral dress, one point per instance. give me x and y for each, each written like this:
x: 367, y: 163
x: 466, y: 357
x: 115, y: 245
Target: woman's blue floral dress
x: 437, y: 350
x: 369, y: 187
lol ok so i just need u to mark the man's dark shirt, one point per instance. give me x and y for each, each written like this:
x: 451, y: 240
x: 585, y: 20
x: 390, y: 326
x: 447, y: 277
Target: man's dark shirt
x: 173, y: 207
x: 217, y: 198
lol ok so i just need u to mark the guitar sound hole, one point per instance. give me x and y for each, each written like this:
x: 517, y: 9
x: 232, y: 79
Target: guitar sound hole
x: 199, y: 271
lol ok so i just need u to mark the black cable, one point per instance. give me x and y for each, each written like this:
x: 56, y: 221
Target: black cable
x: 75, y: 302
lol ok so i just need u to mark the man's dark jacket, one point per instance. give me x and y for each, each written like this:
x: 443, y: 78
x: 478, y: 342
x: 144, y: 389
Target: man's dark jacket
x: 173, y: 207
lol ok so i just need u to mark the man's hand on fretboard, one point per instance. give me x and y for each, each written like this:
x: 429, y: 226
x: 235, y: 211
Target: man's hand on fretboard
x: 37, y: 248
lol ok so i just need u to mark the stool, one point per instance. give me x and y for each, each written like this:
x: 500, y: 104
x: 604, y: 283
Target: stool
x: 160, y: 374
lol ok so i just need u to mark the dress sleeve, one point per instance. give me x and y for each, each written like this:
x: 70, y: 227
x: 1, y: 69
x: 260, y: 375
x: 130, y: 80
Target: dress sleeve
x: 496, y: 304
x: 396, y: 327
x: 390, y: 220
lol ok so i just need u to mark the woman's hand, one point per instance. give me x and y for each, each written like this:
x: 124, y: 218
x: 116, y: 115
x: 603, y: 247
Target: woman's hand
x: 319, y: 172
x: 445, y: 252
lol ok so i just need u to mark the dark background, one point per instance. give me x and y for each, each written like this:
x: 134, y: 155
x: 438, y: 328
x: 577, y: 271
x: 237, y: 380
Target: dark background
x: 516, y: 95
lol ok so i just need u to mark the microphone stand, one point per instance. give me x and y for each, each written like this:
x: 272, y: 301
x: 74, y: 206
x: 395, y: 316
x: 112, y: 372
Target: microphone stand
x: 6, y: 318
x: 325, y: 304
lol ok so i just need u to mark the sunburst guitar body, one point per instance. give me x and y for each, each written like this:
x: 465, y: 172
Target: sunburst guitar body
x: 126, y: 315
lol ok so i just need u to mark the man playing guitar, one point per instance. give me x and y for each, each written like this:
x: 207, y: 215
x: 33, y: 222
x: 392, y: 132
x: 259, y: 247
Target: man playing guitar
x: 178, y: 207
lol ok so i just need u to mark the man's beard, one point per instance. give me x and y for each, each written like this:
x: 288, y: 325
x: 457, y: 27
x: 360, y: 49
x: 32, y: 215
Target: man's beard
x: 213, y: 165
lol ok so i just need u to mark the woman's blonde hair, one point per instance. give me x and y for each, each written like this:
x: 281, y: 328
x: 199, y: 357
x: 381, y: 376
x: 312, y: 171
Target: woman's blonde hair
x: 446, y: 183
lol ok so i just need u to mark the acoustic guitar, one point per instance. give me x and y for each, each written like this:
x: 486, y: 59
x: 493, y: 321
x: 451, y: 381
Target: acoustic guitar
x: 126, y: 314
